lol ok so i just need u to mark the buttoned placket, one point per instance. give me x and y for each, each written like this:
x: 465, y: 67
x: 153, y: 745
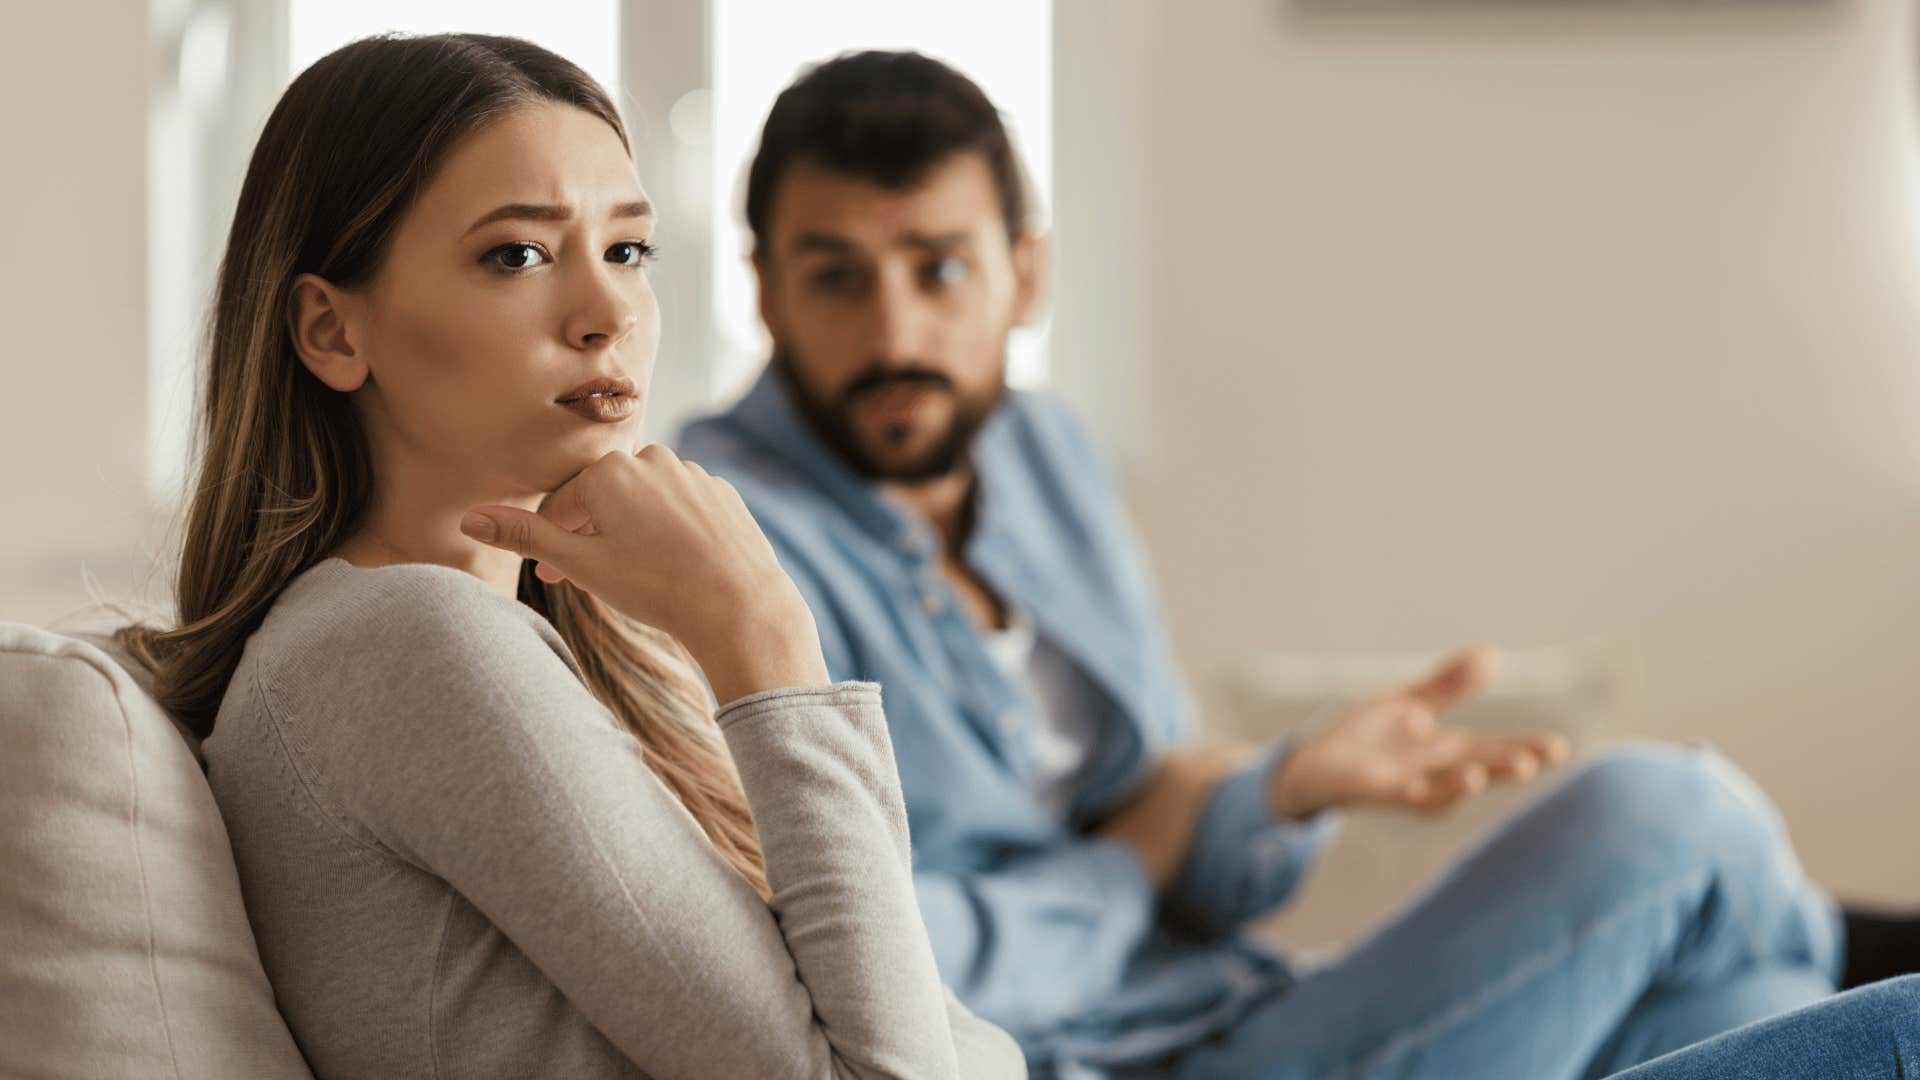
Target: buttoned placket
x: 1009, y: 722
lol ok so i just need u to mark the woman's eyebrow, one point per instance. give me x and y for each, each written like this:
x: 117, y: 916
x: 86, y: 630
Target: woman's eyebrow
x: 539, y: 212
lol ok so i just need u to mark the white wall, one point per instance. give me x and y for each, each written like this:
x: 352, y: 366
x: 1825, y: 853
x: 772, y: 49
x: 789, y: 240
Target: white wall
x: 1536, y: 324
x: 1419, y: 323
x: 72, y: 302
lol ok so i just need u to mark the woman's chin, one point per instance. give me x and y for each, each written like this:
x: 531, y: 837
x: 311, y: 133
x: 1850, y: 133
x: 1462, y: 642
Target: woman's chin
x: 595, y: 441
x: 567, y: 460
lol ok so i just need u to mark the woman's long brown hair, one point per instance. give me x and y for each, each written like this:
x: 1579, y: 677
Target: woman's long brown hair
x: 283, y: 470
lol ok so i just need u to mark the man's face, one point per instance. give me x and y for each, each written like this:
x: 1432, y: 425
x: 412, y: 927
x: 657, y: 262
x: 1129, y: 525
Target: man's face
x: 889, y: 310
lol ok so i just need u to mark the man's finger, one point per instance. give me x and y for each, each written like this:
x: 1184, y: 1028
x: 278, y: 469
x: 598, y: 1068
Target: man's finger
x: 1445, y: 787
x: 1505, y: 757
x: 1552, y: 748
x: 1461, y: 676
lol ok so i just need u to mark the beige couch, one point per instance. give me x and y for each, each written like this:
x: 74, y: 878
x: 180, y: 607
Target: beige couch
x: 124, y: 948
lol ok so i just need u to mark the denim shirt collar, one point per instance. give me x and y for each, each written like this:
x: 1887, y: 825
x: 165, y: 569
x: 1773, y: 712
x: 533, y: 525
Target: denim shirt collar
x: 770, y: 414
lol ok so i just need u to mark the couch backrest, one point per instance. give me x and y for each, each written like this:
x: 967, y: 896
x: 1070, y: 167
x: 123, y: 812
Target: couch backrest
x: 124, y: 946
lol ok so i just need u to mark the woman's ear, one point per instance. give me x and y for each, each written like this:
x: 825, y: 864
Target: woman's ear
x: 318, y: 320
x: 1032, y: 270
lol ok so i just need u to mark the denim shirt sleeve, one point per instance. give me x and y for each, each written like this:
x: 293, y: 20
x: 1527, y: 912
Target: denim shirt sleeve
x: 1042, y: 938
x: 1243, y: 863
x: 834, y: 648
x: 1076, y: 911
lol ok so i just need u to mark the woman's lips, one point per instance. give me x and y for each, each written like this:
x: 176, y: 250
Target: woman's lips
x: 603, y: 400
x: 603, y: 408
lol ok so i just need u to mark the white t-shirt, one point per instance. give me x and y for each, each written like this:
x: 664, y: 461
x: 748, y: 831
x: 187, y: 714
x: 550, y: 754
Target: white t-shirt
x: 1060, y: 703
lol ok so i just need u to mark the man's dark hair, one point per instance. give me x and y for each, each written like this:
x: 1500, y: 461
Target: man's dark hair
x: 884, y: 117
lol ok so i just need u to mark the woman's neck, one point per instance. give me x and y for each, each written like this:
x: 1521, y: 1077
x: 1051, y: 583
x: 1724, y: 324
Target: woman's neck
x: 416, y: 519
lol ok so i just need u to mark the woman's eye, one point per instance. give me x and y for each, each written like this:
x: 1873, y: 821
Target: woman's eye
x: 513, y: 257
x: 632, y: 253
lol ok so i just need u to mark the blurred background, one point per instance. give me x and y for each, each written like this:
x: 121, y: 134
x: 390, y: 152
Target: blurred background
x: 1587, y: 327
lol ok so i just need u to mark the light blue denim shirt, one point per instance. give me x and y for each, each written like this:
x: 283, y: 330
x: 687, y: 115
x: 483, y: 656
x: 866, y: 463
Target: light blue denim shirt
x: 1038, y: 924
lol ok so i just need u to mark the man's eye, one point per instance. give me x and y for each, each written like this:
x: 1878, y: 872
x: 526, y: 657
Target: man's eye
x: 516, y: 257
x: 632, y: 253
x: 950, y: 270
x: 833, y: 279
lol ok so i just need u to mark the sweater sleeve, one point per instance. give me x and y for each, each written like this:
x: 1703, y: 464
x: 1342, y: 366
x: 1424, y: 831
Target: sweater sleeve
x: 480, y: 757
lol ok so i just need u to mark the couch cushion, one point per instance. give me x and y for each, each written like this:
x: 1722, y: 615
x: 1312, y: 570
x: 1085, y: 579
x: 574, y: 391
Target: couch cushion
x: 124, y: 947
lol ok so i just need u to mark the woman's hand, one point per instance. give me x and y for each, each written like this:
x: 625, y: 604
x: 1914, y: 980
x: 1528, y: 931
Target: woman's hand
x: 1395, y: 750
x: 664, y: 542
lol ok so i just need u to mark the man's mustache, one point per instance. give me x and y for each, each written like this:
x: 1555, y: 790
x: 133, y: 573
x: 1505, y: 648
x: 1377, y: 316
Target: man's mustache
x: 885, y: 378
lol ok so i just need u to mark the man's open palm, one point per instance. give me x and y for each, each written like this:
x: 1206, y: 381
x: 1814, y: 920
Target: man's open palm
x: 1395, y: 750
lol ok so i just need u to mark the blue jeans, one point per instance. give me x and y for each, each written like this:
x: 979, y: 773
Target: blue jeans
x: 1647, y: 902
x: 1872, y: 1033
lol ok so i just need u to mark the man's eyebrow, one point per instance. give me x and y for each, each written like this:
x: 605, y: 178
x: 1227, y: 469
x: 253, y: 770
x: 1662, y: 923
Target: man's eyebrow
x: 806, y: 242
x: 539, y: 212
x: 936, y: 242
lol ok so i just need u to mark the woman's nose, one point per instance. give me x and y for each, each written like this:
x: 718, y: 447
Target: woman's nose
x: 602, y: 316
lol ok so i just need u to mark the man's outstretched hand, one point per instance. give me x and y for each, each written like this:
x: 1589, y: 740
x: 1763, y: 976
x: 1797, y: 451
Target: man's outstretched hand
x: 1394, y: 750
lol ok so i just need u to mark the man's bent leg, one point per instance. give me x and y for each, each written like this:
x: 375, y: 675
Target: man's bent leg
x: 1647, y: 874
x: 1675, y: 1018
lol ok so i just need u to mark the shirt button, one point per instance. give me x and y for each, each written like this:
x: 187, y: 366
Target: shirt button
x: 1011, y: 722
x: 933, y: 603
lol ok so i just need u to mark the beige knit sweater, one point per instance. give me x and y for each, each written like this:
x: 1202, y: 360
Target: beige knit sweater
x: 457, y: 865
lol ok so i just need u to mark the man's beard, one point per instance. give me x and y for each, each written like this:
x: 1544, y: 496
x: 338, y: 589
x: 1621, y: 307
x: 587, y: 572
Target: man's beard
x: 832, y: 420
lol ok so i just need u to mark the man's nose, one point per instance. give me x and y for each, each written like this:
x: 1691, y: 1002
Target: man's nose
x: 900, y: 320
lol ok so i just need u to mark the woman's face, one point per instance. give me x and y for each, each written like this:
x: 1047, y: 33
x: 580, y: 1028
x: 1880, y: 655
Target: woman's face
x: 512, y: 285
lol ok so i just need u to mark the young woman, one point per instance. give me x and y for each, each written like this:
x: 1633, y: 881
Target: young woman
x: 486, y: 820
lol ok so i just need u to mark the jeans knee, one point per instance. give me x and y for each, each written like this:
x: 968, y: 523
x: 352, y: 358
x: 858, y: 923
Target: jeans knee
x: 1666, y: 823
x: 1646, y: 774
x: 1661, y: 794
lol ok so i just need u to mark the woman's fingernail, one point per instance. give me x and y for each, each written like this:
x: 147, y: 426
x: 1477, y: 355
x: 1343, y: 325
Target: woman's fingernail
x: 480, y: 527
